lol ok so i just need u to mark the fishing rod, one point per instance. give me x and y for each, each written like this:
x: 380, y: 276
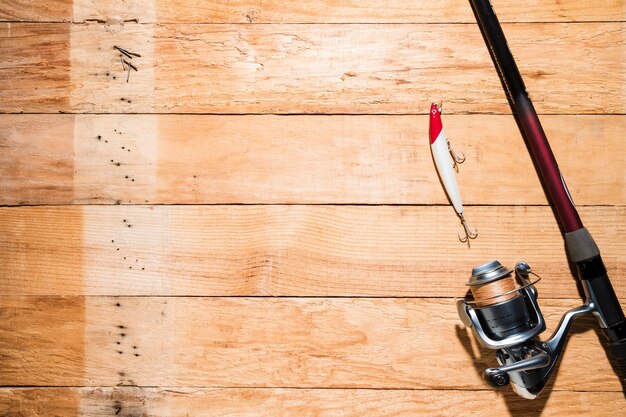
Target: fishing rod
x: 504, y: 314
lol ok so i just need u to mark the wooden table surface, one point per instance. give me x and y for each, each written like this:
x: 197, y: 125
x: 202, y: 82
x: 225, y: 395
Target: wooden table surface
x: 253, y: 225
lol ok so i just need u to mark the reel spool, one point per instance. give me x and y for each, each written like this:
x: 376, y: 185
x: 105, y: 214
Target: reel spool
x: 504, y: 315
x: 499, y: 303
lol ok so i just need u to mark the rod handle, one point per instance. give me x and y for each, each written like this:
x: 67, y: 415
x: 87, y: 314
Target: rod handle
x: 616, y: 353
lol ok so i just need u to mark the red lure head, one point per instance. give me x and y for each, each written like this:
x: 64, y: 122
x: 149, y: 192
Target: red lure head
x: 435, y: 122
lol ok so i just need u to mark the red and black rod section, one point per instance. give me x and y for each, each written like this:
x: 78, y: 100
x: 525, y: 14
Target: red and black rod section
x: 526, y: 115
x: 582, y: 250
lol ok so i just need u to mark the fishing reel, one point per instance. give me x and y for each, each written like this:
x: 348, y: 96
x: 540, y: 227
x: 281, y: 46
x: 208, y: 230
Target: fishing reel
x: 504, y: 316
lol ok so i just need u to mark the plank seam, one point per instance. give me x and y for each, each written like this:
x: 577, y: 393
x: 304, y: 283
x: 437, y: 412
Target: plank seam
x: 224, y: 387
x: 268, y: 297
x: 295, y: 114
x: 173, y: 22
x: 347, y: 204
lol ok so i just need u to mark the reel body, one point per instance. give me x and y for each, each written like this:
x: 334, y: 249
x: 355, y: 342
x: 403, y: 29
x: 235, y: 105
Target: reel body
x: 510, y: 323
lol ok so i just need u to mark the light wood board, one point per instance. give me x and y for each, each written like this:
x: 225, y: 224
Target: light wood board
x: 246, y: 402
x: 383, y: 343
x: 108, y: 159
x: 285, y: 250
x: 291, y: 11
x: 569, y: 68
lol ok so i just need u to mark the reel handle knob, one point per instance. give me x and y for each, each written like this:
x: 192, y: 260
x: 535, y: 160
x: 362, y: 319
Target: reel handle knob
x: 496, y: 378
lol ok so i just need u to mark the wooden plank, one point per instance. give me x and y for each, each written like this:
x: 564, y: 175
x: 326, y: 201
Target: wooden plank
x: 285, y: 250
x: 66, y: 159
x: 381, y: 11
x: 570, y: 68
x: 34, y: 70
x: 291, y: 68
x: 260, y: 342
x: 251, y: 402
x: 290, y: 11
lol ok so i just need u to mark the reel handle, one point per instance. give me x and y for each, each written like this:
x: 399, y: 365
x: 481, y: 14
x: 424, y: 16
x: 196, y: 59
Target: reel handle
x: 499, y: 377
x: 496, y: 378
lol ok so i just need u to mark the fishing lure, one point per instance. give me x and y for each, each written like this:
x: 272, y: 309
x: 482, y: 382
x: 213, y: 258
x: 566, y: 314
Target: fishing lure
x: 446, y: 162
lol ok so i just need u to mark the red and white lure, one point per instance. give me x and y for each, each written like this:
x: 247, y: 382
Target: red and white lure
x: 446, y: 162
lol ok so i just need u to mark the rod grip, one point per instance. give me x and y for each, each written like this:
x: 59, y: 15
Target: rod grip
x: 611, y: 316
x: 616, y: 352
x: 593, y: 272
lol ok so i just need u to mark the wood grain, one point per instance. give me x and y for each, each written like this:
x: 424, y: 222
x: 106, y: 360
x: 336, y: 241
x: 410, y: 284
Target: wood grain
x: 569, y: 68
x: 251, y: 402
x: 285, y: 250
x: 36, y: 11
x: 400, y: 69
x: 37, y: 159
x: 48, y: 248
x: 290, y: 11
x: 35, y: 402
x: 34, y: 70
x: 259, y: 342
x: 44, y: 334
x: 381, y: 11
x: 67, y: 159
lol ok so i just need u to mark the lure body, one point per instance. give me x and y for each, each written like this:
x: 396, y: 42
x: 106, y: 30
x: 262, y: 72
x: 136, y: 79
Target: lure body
x: 444, y: 162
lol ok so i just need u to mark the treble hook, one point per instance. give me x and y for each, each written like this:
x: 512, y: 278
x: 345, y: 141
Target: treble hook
x: 468, y: 233
x: 456, y: 159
